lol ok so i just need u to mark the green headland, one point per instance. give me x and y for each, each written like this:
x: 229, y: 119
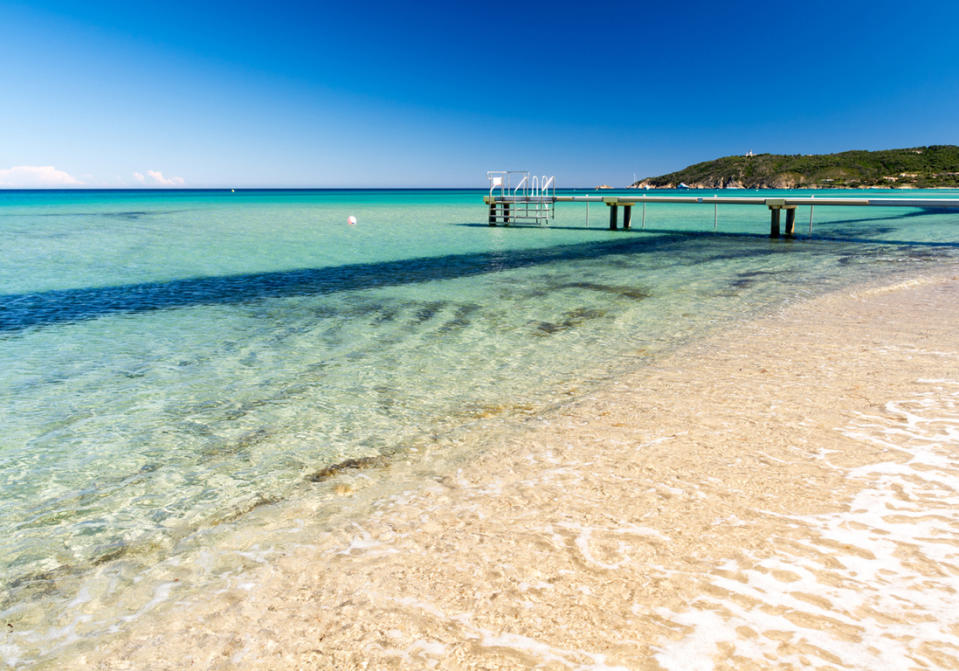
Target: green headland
x: 913, y: 168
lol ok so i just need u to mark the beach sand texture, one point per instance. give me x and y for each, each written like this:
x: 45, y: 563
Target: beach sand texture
x: 782, y: 495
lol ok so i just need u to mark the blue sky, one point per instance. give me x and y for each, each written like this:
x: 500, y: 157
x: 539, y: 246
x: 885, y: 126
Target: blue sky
x: 434, y: 94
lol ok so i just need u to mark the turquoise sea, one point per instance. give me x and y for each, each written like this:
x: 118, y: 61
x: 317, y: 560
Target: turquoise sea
x: 178, y: 366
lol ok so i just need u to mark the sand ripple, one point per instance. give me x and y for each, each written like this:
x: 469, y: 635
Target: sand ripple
x: 857, y: 588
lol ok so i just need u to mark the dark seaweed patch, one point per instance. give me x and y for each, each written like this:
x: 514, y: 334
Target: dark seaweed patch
x: 580, y: 315
x: 195, y: 428
x: 216, y: 446
x: 120, y: 214
x: 41, y: 582
x: 109, y: 553
x: 573, y: 318
x: 627, y: 292
x: 359, y: 463
x: 548, y: 328
x: 427, y: 312
x: 460, y: 318
x: 130, y: 215
x: 243, y: 508
x: 385, y: 395
x: 385, y: 316
x: 525, y: 293
x: 323, y: 312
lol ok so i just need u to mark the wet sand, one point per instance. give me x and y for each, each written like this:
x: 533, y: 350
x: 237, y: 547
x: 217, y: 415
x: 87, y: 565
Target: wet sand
x: 782, y: 495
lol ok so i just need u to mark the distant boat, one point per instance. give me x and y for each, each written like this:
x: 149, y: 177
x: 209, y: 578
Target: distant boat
x: 683, y: 185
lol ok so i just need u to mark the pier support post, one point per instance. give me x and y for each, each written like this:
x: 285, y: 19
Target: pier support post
x: 773, y: 222
x: 627, y: 215
x: 492, y: 214
x: 506, y: 213
x: 790, y: 221
x: 612, y: 218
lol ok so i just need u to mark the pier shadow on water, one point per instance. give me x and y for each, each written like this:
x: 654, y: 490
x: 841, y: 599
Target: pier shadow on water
x: 837, y: 230
x: 24, y: 310
x: 20, y: 311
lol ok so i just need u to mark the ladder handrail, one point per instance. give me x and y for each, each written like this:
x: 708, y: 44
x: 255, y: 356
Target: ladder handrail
x: 546, y: 183
x: 521, y: 183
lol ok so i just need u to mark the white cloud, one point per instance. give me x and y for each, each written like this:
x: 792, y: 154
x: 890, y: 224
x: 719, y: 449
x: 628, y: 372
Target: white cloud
x: 156, y: 177
x: 160, y: 179
x: 32, y: 176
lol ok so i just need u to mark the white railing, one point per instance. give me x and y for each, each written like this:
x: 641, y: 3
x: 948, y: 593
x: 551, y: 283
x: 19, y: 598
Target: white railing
x: 521, y: 185
x: 525, y: 186
x: 546, y: 184
x: 530, y: 198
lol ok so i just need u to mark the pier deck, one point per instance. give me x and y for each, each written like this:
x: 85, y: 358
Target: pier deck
x: 501, y: 206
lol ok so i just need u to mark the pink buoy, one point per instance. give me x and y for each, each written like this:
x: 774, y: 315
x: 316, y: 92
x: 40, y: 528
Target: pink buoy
x: 351, y: 220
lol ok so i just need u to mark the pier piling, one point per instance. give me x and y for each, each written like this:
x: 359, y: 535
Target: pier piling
x: 613, y: 224
x: 790, y: 221
x: 775, y: 205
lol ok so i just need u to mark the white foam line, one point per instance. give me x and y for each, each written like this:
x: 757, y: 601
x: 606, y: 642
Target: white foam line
x: 906, y: 284
x: 160, y: 594
x: 364, y: 542
x: 893, y: 593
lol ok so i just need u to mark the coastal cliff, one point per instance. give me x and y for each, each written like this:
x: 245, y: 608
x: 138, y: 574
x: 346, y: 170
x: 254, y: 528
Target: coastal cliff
x: 916, y: 167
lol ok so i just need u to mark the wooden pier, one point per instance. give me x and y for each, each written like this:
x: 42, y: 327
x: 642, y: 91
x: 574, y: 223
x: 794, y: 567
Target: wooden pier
x: 504, y: 207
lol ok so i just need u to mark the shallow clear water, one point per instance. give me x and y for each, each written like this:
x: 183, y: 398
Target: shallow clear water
x: 172, y: 360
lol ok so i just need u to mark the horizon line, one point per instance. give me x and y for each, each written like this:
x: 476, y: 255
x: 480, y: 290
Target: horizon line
x: 47, y: 189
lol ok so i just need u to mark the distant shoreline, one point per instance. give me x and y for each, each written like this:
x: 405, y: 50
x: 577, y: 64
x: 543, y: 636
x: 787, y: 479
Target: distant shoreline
x: 929, y: 167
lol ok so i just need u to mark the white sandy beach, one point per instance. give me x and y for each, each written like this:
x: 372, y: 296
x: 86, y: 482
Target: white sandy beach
x: 783, y: 495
